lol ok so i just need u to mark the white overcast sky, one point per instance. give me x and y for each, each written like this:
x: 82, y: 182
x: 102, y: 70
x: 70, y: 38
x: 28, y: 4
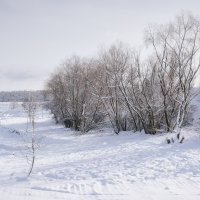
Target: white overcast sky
x: 37, y: 35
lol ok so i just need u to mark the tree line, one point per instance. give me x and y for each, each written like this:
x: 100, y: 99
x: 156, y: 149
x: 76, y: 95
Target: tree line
x: 131, y: 92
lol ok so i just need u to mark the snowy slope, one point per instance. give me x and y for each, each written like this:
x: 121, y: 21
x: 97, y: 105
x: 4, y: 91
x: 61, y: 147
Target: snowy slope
x: 100, y: 165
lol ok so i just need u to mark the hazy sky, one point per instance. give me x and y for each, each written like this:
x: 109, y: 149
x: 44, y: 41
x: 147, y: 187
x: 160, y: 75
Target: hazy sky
x: 37, y: 35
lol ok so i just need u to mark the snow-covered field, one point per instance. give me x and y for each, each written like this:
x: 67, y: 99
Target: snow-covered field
x: 99, y: 165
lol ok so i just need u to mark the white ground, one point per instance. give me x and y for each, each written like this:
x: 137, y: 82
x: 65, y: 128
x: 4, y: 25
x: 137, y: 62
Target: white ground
x: 99, y: 165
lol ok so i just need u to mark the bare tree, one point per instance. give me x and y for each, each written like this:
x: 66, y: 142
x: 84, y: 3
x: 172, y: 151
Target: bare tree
x: 30, y: 108
x: 114, y: 63
x: 176, y: 48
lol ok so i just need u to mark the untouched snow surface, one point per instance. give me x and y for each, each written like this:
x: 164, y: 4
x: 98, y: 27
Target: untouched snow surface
x: 100, y: 165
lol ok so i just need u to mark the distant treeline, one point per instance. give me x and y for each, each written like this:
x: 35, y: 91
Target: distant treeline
x: 23, y: 96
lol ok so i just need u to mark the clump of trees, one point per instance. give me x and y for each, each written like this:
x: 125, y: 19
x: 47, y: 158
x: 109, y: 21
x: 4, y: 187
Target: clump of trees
x: 150, y: 94
x: 76, y: 97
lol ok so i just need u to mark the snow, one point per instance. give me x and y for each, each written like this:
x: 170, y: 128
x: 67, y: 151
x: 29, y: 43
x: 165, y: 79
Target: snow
x: 99, y: 165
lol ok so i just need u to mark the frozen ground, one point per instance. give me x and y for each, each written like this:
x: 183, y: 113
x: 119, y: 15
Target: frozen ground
x: 95, y: 166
